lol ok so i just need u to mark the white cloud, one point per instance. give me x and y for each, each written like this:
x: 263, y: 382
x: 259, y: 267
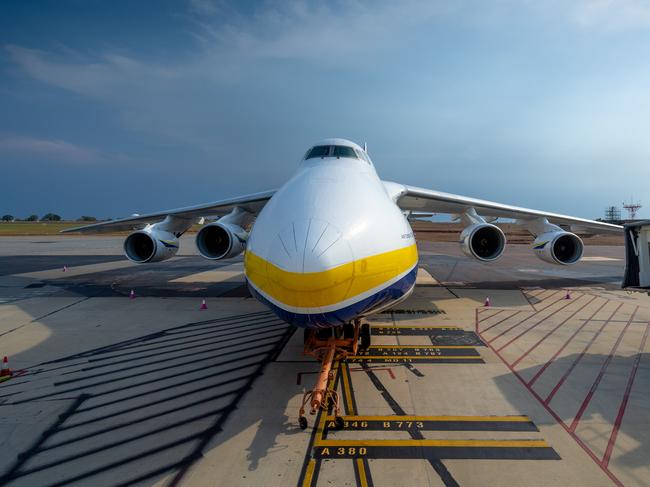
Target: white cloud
x: 315, y: 31
x: 47, y: 149
x: 161, y: 97
x: 613, y: 14
x: 107, y: 75
x: 604, y: 15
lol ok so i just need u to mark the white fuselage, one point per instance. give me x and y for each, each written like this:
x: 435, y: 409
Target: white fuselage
x: 331, y: 246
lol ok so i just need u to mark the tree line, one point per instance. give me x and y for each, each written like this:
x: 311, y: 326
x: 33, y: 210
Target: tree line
x: 48, y: 217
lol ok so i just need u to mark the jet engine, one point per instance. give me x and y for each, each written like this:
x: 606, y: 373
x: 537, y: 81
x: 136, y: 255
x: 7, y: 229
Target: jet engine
x: 150, y: 245
x: 221, y: 241
x: 483, y: 241
x: 558, y: 247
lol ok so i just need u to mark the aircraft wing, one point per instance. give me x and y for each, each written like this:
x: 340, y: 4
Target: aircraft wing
x: 427, y: 200
x: 252, y: 203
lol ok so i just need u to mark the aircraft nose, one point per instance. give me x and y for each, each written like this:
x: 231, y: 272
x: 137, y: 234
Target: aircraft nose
x: 309, y: 246
x: 310, y: 265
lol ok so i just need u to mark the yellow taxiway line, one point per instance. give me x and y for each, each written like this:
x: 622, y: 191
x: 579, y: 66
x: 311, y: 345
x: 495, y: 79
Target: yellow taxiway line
x: 435, y: 443
x: 427, y: 357
x: 409, y: 347
x: 517, y: 419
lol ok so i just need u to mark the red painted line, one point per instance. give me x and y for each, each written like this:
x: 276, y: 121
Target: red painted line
x: 581, y: 443
x: 549, y: 297
x: 523, y: 321
x: 570, y: 339
x: 626, y: 397
x: 493, y: 315
x: 594, y: 386
x: 514, y: 339
x: 549, y: 398
x: 485, y: 309
x: 539, y: 292
x: 514, y: 364
x: 528, y: 299
x: 513, y: 326
x: 388, y: 369
x: 501, y: 321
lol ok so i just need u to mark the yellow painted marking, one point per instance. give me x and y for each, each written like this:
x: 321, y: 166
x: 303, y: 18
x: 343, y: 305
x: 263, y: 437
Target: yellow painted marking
x: 517, y: 419
x: 309, y: 474
x: 6, y: 377
x: 410, y: 347
x: 314, y: 289
x: 435, y: 443
x: 362, y: 473
x: 347, y: 389
x: 427, y: 357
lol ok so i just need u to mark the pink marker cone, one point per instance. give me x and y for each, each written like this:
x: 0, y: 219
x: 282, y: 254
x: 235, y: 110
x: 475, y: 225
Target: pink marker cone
x: 5, y: 371
x: 487, y: 302
x: 204, y: 305
x: 568, y: 295
x: 65, y: 268
x: 132, y: 294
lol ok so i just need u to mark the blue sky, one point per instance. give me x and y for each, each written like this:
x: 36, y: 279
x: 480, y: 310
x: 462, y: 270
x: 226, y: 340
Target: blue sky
x: 111, y: 108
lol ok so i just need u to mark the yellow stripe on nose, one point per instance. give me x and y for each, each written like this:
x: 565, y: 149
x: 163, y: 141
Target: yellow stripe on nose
x: 331, y: 286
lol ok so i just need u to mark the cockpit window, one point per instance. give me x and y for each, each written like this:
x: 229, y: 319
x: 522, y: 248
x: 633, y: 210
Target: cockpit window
x: 333, y: 151
x: 318, y: 151
x: 344, y: 151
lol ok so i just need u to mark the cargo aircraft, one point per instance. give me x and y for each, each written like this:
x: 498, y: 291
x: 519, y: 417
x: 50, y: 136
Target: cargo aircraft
x: 334, y: 245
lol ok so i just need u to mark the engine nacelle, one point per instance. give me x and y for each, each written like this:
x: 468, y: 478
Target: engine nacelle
x: 150, y: 245
x: 221, y: 241
x: 483, y: 241
x: 562, y: 248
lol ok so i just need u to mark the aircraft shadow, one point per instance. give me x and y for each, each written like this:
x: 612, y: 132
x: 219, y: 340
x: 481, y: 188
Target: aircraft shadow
x: 140, y: 409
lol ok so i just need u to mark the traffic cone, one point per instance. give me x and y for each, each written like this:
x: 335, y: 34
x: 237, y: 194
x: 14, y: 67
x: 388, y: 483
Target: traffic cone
x: 65, y: 268
x: 6, y: 371
x: 132, y: 294
x: 204, y: 305
x: 487, y: 302
x: 568, y: 296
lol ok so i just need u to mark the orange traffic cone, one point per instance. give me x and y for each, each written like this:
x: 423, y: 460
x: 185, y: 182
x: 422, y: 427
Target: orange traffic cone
x: 6, y: 371
x: 204, y: 305
x: 487, y: 302
x: 132, y: 294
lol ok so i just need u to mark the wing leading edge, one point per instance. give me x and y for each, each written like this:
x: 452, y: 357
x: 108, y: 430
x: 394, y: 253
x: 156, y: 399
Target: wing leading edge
x: 252, y: 203
x: 427, y: 200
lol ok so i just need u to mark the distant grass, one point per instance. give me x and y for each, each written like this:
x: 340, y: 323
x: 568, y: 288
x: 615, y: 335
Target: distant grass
x: 8, y: 229
x: 35, y: 228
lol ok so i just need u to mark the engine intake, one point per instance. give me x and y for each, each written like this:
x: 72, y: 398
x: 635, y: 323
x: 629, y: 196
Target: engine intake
x: 562, y: 248
x: 483, y: 241
x: 150, y: 245
x: 221, y: 241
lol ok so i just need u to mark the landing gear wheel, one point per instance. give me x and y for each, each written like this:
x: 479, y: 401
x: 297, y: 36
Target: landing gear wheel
x: 365, y: 336
x: 338, y: 422
x: 302, y: 422
x: 348, y: 330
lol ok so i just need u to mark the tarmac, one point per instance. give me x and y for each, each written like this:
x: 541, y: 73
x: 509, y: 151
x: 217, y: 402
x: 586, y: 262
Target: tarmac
x: 546, y: 386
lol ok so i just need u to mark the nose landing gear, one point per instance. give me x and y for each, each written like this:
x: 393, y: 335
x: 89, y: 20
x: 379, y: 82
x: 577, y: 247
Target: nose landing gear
x: 328, y: 349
